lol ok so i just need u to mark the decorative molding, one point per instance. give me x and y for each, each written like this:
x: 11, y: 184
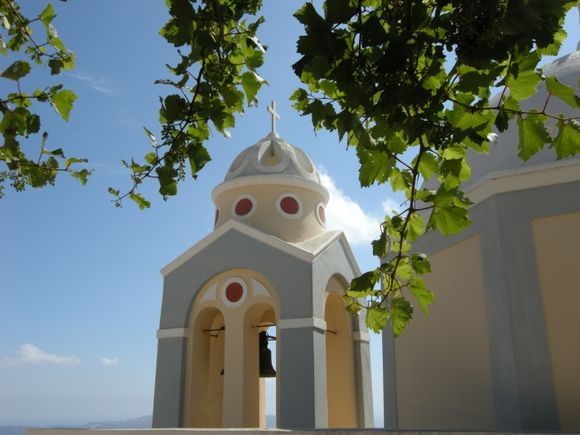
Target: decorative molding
x: 361, y: 336
x: 259, y: 289
x: 269, y: 180
x: 172, y: 333
x: 209, y: 294
x: 505, y: 181
x: 302, y: 322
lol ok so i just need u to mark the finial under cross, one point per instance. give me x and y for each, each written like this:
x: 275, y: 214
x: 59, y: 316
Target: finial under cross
x: 272, y: 109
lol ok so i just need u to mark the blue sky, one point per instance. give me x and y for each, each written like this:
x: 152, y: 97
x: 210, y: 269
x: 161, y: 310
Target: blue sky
x: 80, y: 288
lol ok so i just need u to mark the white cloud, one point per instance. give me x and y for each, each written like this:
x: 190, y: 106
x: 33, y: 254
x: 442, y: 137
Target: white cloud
x: 30, y: 354
x: 109, y: 361
x: 97, y: 83
x: 390, y: 207
x: 343, y: 213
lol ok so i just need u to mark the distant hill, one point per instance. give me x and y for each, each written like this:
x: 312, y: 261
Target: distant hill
x: 132, y: 423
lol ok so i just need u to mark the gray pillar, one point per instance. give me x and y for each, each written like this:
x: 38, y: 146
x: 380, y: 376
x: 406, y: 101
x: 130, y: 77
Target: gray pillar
x: 503, y: 369
x: 538, y: 408
x: 389, y: 380
x: 364, y: 382
x: 169, y: 383
x: 301, y: 378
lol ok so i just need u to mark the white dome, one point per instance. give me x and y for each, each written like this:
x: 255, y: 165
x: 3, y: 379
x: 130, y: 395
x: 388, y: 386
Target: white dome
x: 272, y: 155
x: 504, y: 154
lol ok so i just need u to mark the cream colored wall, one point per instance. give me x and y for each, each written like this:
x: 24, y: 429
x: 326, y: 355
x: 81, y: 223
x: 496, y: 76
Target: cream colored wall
x: 204, y: 397
x: 442, y: 362
x: 236, y: 394
x: 266, y: 216
x: 340, y: 368
x: 557, y: 246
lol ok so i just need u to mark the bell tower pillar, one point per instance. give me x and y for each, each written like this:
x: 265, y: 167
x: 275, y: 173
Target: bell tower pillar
x: 302, y: 374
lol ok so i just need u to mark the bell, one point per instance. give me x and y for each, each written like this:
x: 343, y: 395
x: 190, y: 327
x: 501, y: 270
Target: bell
x: 266, y: 369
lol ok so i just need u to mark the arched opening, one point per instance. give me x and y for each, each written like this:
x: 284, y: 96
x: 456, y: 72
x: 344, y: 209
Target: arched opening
x: 206, y: 345
x: 260, y: 392
x: 340, y: 364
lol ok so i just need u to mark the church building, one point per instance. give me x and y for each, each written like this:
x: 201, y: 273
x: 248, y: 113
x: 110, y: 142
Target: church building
x: 500, y: 349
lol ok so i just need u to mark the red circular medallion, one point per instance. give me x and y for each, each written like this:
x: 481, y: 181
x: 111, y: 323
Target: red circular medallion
x: 322, y: 214
x: 234, y: 292
x: 244, y: 206
x: 289, y: 205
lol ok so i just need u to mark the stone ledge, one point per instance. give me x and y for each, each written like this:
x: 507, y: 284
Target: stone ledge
x: 244, y: 431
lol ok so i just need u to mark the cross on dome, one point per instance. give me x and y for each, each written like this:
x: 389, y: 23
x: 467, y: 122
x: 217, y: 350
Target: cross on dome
x: 275, y: 115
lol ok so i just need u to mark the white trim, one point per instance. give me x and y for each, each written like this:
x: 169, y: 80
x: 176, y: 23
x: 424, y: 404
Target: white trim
x: 302, y: 322
x: 349, y: 255
x: 172, y: 333
x: 361, y: 336
x: 269, y: 180
x: 296, y: 198
x: 252, y: 210
x: 511, y: 180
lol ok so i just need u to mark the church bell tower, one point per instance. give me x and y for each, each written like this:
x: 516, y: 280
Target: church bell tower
x: 269, y: 265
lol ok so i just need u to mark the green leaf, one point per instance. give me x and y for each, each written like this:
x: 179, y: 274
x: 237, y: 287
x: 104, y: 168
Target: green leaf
x: 401, y: 313
x: 424, y: 297
x: 454, y: 152
x: 47, y: 15
x: 167, y: 182
x: 364, y: 284
x: 563, y: 92
x: 151, y: 137
x: 532, y: 135
x: 502, y: 119
x: 62, y: 102
x: 56, y: 66
x: 337, y: 11
x: 428, y: 166
x: 404, y: 269
x: 450, y: 220
x: 415, y: 227
x: 567, y: 143
x: 251, y: 84
x: 150, y: 157
x: 139, y: 200
x: 81, y: 175
x: 420, y: 263
x: 16, y: 71
x: 376, y: 319
x: 173, y: 107
x: 523, y: 84
x: 380, y: 246
x: 375, y: 166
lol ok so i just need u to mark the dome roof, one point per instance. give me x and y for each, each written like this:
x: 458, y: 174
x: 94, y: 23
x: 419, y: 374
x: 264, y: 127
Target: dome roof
x: 272, y: 155
x: 504, y: 154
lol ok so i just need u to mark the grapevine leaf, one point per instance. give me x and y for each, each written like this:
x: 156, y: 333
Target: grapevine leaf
x: 62, y: 102
x: 532, y: 135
